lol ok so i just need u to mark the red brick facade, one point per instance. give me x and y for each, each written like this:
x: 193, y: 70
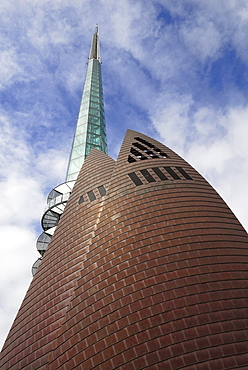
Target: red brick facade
x: 151, y: 275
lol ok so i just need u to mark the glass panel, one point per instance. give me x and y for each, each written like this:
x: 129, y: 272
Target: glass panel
x: 95, y: 120
x: 84, y: 111
x: 76, y: 164
x: 93, y: 139
x: 79, y: 149
x: 94, y: 129
x: 72, y: 176
x: 79, y: 139
x: 83, y: 118
x: 95, y: 99
x: 94, y: 112
x: 84, y: 105
x: 94, y: 105
x: 80, y: 129
x: 95, y: 90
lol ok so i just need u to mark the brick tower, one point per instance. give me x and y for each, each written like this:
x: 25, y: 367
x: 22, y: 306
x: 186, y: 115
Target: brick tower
x: 147, y: 269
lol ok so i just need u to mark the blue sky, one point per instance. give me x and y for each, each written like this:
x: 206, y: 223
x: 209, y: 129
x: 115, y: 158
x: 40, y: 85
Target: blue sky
x: 174, y: 70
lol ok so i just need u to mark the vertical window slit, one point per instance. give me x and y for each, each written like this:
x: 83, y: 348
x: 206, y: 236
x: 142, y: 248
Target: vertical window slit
x: 172, y: 173
x: 147, y: 176
x: 91, y: 195
x: 184, y: 173
x: 102, y: 190
x: 135, y: 179
x: 81, y: 199
x: 159, y: 173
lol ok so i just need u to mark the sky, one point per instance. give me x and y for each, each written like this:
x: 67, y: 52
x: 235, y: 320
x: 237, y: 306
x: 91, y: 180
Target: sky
x: 175, y: 70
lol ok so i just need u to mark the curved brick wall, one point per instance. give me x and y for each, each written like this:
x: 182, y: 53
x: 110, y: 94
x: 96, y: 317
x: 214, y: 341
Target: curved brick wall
x: 163, y: 282
x: 42, y: 312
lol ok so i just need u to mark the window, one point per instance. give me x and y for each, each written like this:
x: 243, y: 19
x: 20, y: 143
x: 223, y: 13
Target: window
x: 137, y: 145
x: 81, y: 199
x: 101, y: 190
x: 150, y: 153
x: 184, y: 173
x: 145, y: 142
x: 172, y: 173
x: 147, y: 175
x: 91, y: 195
x: 135, y: 179
x: 137, y: 154
x: 131, y: 159
x: 159, y: 173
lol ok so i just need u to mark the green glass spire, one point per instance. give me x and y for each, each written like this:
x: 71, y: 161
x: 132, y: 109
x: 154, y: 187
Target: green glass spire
x: 91, y: 126
x: 90, y: 133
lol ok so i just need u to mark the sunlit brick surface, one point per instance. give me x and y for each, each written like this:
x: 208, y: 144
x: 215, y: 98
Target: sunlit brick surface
x: 150, y: 276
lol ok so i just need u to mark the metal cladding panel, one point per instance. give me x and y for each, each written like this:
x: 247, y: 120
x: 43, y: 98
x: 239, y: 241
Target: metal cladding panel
x: 151, y: 275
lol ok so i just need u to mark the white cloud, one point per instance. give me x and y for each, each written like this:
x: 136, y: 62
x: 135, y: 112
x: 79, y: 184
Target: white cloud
x: 24, y: 176
x: 171, y: 118
x: 17, y: 256
x: 9, y: 67
x: 215, y: 143
x: 202, y: 39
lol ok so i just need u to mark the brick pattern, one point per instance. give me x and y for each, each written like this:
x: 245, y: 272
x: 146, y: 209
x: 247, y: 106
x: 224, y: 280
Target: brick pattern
x: 151, y: 276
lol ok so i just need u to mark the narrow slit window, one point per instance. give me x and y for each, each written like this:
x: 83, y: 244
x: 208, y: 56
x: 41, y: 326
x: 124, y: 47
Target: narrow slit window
x: 135, y: 179
x: 137, y: 154
x: 101, y: 190
x: 143, y: 148
x: 163, y: 155
x: 145, y: 142
x: 184, y: 173
x: 91, y: 195
x: 172, y: 173
x: 81, y: 199
x: 131, y: 159
x: 147, y: 175
x: 150, y: 146
x: 151, y: 154
x: 159, y: 173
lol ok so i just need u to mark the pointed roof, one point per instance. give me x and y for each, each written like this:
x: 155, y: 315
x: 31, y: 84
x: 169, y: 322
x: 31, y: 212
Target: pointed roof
x: 91, y: 127
x: 95, y: 46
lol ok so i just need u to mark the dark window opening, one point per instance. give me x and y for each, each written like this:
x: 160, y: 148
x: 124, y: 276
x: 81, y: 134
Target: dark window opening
x: 150, y: 146
x: 101, y: 190
x: 159, y: 173
x: 152, y: 155
x: 131, y: 159
x: 145, y: 142
x: 137, y: 154
x: 147, y: 175
x: 172, y: 173
x: 91, y: 195
x: 81, y: 199
x: 184, y: 173
x: 145, y: 150
x: 137, y: 145
x: 160, y: 152
x: 135, y: 179
x: 163, y: 155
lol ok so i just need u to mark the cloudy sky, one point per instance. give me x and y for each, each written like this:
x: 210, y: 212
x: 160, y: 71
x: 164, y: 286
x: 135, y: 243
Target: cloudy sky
x: 176, y: 70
